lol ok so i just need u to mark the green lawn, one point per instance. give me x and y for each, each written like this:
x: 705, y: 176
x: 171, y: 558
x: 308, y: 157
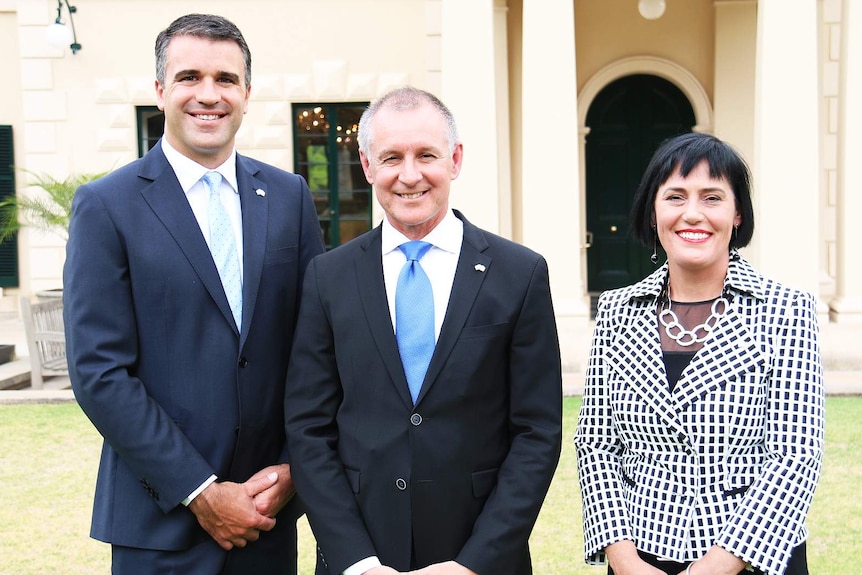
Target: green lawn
x: 49, y: 454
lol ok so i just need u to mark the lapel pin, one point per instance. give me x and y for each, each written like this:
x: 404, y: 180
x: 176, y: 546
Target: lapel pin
x: 260, y: 192
x: 479, y: 267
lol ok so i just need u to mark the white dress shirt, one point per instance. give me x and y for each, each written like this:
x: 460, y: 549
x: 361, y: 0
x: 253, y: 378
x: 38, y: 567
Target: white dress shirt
x: 439, y: 264
x: 189, y: 174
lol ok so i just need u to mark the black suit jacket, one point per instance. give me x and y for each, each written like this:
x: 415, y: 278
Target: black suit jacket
x: 155, y: 358
x: 460, y: 476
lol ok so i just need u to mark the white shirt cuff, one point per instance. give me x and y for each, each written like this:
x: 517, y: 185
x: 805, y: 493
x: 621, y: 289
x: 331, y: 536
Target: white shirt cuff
x: 198, y: 491
x: 361, y: 567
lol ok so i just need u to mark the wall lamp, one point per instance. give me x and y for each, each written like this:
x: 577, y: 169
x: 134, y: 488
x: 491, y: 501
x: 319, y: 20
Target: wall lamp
x: 651, y: 9
x: 58, y: 34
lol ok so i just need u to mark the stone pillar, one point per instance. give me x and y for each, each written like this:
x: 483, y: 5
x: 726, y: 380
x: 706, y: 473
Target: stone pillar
x: 846, y: 307
x: 786, y: 145
x: 553, y: 219
x: 468, y: 86
x: 735, y: 48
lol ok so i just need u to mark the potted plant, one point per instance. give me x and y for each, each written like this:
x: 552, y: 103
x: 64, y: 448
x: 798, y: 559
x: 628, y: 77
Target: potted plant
x: 48, y: 211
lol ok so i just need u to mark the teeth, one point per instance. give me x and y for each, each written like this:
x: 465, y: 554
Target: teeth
x: 207, y: 117
x: 412, y: 196
x: 693, y: 236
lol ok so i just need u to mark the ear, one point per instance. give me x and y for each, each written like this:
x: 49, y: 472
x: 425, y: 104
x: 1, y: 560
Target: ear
x: 366, y: 167
x: 737, y: 220
x: 245, y: 101
x: 160, y: 96
x: 457, y: 159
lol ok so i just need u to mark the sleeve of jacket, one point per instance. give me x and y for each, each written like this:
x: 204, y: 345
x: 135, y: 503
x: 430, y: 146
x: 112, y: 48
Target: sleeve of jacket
x: 773, y: 509
x: 312, y: 398
x: 605, y: 517
x: 535, y: 419
x: 102, y: 346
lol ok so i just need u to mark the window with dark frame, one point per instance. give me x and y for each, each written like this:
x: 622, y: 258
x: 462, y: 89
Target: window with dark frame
x: 151, y: 127
x: 326, y: 154
x: 9, y: 247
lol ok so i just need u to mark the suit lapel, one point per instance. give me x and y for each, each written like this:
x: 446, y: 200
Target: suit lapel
x: 729, y: 352
x: 465, y: 288
x: 372, y: 292
x: 255, y: 209
x: 167, y: 200
x: 636, y: 351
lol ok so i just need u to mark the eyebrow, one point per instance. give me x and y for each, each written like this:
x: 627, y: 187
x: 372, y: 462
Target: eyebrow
x: 193, y: 72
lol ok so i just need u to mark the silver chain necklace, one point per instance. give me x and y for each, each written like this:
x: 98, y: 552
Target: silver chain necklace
x: 698, y: 334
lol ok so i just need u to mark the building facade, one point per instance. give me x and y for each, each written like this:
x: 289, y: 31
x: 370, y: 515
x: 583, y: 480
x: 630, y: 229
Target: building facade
x: 559, y: 103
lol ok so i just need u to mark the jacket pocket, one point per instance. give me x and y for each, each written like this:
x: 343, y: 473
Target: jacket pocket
x: 484, y: 482
x: 352, y: 478
x: 281, y: 255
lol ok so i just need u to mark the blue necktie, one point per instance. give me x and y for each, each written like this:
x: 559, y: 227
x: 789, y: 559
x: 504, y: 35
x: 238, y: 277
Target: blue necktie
x: 223, y: 247
x: 414, y: 316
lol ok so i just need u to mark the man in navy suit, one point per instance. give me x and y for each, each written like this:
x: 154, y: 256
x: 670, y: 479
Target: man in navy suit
x: 446, y: 476
x: 179, y: 363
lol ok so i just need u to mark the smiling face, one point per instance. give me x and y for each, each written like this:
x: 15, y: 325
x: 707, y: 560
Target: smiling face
x: 411, y: 168
x: 204, y: 97
x: 694, y: 218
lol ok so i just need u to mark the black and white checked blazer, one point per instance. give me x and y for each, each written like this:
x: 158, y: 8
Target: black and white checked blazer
x: 732, y: 456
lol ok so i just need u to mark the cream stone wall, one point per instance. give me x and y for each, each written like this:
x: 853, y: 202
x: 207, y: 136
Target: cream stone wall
x: 78, y: 111
x: 519, y: 75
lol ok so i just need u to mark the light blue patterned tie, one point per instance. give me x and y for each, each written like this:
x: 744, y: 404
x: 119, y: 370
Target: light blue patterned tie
x: 414, y: 316
x: 223, y: 247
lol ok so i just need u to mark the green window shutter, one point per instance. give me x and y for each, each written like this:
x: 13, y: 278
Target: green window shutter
x: 9, y: 248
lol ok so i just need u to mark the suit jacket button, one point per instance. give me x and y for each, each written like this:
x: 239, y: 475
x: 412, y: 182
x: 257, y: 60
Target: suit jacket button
x: 416, y: 419
x: 243, y: 362
x: 400, y: 484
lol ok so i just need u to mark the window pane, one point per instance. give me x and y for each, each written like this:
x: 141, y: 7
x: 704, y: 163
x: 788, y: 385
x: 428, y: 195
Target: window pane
x: 326, y: 154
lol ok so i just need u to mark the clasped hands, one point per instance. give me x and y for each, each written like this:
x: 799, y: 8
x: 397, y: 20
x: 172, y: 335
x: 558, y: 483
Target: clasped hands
x: 235, y: 513
x: 447, y: 568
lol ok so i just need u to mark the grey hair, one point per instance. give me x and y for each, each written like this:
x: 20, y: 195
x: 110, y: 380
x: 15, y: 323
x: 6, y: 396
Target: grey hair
x: 206, y: 26
x: 401, y: 99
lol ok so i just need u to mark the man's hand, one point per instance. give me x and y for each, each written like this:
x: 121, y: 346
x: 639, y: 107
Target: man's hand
x: 227, y: 511
x: 273, y: 499
x: 447, y: 568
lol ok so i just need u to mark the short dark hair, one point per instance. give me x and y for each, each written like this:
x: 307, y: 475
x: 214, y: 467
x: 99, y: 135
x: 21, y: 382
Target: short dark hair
x: 201, y: 26
x: 405, y: 98
x: 684, y: 153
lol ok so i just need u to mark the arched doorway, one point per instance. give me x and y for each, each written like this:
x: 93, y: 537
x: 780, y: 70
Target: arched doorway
x: 627, y: 120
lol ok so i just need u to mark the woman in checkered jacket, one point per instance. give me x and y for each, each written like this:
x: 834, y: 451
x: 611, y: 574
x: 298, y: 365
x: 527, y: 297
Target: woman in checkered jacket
x: 700, y: 437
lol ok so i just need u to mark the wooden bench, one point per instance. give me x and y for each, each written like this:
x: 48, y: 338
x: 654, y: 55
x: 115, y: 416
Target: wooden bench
x: 46, y: 340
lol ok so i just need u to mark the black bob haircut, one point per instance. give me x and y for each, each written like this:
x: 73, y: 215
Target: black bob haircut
x: 685, y: 152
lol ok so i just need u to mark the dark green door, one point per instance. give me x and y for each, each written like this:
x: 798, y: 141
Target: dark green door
x: 628, y: 119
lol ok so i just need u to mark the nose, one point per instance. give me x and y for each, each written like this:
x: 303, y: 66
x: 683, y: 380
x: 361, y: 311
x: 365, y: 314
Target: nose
x: 208, y: 92
x: 692, y: 211
x: 410, y: 174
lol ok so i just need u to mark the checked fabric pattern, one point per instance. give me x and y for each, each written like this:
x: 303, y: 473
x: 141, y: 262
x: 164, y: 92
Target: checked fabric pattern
x: 731, y: 456
x: 223, y: 246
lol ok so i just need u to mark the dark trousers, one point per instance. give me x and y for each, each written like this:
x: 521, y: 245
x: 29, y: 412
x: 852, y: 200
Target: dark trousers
x: 798, y: 564
x: 269, y: 555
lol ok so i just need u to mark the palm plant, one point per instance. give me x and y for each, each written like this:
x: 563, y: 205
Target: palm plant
x: 49, y: 211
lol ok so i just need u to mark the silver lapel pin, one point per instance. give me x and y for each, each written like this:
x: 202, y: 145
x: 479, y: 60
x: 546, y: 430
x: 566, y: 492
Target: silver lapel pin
x: 260, y: 192
x: 479, y: 267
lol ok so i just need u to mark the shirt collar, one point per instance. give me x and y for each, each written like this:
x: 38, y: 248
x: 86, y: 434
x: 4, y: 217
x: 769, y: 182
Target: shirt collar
x: 189, y: 172
x: 446, y: 235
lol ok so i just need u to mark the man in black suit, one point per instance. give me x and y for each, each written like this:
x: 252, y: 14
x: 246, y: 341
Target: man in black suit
x: 444, y: 472
x: 180, y: 361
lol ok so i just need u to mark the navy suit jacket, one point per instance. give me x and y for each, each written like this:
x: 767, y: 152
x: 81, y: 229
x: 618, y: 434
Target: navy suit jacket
x: 463, y: 473
x: 155, y: 358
